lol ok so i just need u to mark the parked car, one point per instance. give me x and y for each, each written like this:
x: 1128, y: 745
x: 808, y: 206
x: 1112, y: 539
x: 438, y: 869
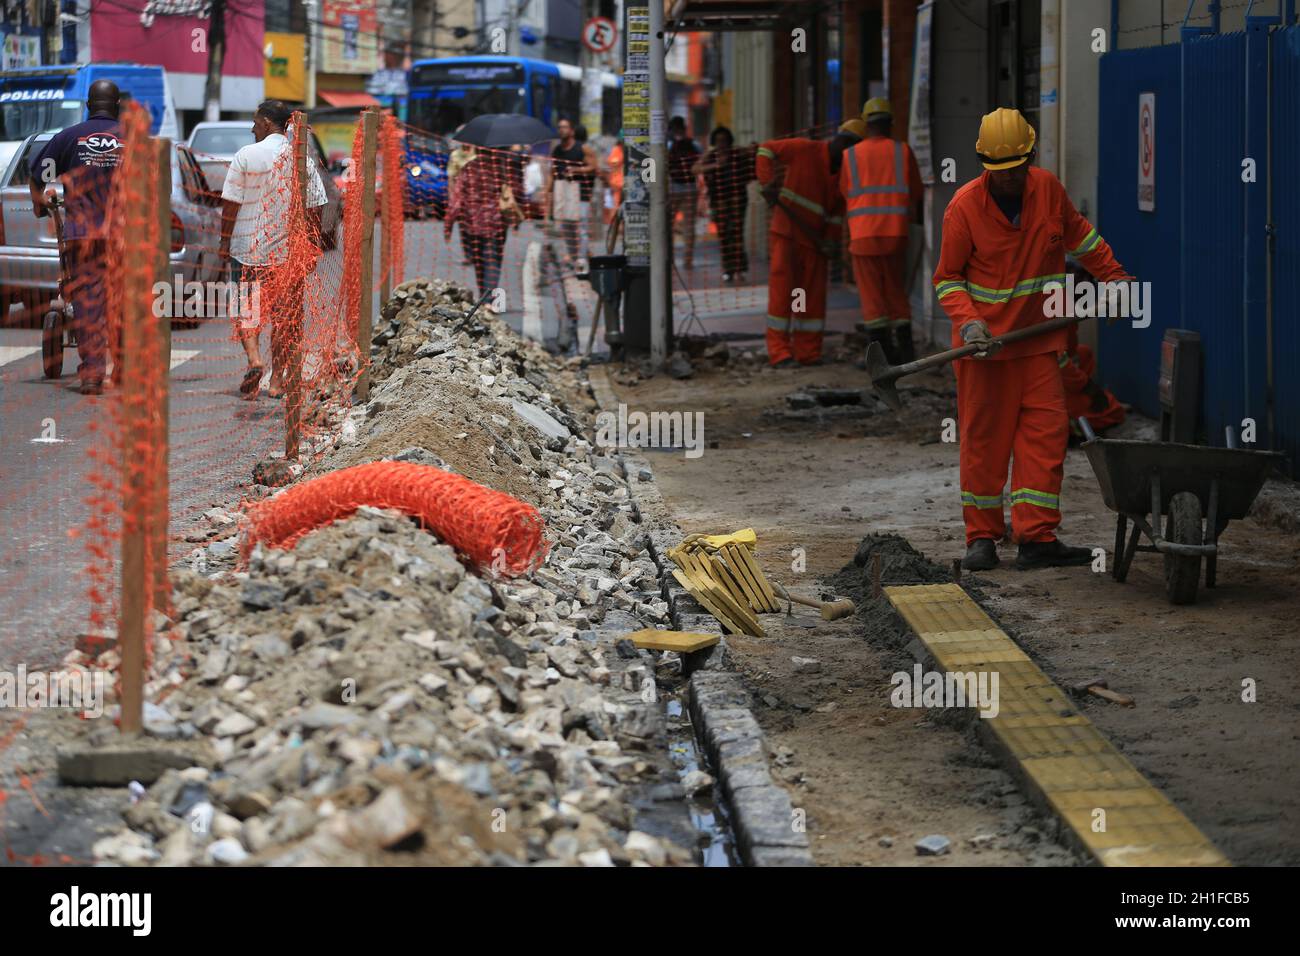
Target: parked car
x: 215, y: 144
x: 425, y: 161
x: 29, y: 252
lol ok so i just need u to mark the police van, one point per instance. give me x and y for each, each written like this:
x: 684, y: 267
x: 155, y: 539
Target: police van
x: 43, y: 99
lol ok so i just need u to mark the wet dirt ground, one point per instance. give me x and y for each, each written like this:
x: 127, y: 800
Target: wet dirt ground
x: 874, y: 779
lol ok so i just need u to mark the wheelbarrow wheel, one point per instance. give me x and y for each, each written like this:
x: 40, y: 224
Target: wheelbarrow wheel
x: 52, y: 344
x: 1183, y: 572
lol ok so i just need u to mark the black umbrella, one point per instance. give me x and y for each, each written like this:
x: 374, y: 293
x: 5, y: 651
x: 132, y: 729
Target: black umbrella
x: 495, y: 130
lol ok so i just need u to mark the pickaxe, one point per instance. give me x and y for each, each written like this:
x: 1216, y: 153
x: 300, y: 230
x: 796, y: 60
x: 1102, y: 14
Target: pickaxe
x: 1098, y: 688
x: 883, y: 375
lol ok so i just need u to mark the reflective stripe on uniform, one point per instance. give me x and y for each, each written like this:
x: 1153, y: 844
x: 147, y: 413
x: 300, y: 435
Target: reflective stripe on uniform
x: 798, y: 200
x: 1028, y: 496
x: 1064, y: 360
x: 971, y: 500
x: 765, y: 152
x: 879, y: 323
x: 1024, y: 287
x: 878, y: 211
x: 899, y: 186
x: 786, y: 324
x: 942, y: 289
x: 835, y: 220
x: 1090, y: 242
x: 900, y: 323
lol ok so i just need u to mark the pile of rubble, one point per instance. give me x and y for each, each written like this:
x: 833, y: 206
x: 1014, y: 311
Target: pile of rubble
x: 366, y: 698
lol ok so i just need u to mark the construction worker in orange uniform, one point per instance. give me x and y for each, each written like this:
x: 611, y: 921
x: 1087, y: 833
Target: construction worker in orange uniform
x: 881, y: 185
x: 1005, y: 236
x: 800, y: 179
x: 1084, y: 396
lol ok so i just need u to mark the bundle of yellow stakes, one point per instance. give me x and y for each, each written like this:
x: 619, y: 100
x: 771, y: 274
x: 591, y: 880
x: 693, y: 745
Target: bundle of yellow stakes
x: 720, y: 572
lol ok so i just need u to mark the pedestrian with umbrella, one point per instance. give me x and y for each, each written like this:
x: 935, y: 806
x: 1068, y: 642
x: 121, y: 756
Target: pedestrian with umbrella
x: 483, y: 201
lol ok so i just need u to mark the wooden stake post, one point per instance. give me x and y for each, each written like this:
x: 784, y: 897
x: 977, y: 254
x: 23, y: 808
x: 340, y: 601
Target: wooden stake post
x: 366, y: 183
x: 162, y: 485
x: 386, y: 236
x: 143, y: 491
x: 291, y: 335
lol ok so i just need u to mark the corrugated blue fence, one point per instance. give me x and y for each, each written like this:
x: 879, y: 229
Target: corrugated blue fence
x: 1192, y: 247
x: 1286, y: 256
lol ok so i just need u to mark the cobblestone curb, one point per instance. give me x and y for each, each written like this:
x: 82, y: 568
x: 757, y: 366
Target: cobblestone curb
x: 768, y: 829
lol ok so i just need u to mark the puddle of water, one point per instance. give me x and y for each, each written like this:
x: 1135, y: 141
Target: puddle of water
x: 706, y: 810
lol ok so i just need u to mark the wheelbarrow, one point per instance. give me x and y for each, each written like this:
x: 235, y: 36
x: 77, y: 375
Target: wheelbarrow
x: 1145, y: 481
x: 58, y: 323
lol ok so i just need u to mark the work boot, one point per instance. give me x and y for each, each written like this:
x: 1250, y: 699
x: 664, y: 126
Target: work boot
x: 905, y: 347
x: 981, y: 555
x: 1050, y: 554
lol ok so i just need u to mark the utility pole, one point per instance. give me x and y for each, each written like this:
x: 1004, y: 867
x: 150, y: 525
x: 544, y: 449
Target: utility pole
x: 313, y: 41
x: 660, y: 246
x: 216, y: 59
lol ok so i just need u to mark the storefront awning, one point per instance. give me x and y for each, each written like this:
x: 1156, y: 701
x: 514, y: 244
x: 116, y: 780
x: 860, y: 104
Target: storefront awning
x: 347, y: 98
x: 728, y: 15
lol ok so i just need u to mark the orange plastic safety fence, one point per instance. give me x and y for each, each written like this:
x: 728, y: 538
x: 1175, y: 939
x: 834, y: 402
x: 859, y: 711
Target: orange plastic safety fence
x: 394, y: 173
x: 490, y: 527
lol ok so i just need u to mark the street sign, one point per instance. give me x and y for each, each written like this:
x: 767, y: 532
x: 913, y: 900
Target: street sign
x: 599, y: 34
x: 1147, y: 152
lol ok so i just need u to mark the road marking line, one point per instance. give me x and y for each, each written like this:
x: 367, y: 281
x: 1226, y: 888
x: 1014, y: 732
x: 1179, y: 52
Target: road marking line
x: 181, y: 356
x: 12, y: 353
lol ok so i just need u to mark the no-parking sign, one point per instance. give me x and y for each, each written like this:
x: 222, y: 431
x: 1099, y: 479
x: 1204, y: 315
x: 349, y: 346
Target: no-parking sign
x: 599, y: 34
x: 1147, y: 152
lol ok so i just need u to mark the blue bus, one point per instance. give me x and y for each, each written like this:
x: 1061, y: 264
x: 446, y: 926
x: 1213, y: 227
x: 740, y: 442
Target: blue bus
x: 446, y: 93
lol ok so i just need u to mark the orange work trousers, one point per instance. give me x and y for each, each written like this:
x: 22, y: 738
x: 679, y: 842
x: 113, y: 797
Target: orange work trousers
x: 796, y: 301
x: 880, y: 288
x: 1011, y: 411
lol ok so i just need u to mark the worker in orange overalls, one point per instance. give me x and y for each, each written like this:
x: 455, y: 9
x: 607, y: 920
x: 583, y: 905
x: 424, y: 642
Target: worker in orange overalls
x: 800, y: 179
x: 1005, y: 236
x: 1084, y: 396
x: 881, y: 185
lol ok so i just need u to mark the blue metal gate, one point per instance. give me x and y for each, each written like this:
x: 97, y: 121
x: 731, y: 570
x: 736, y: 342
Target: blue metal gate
x: 1205, y: 246
x: 1285, y: 216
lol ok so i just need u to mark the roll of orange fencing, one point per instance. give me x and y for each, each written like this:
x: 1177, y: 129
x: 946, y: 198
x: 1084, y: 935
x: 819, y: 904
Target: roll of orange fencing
x: 493, y: 529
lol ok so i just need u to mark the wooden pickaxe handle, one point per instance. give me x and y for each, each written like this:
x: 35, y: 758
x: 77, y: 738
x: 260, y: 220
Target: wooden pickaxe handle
x: 943, y: 358
x: 831, y: 610
x: 1106, y: 693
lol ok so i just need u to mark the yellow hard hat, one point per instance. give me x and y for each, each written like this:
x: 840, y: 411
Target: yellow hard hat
x: 854, y: 126
x: 875, y: 107
x: 1006, y: 139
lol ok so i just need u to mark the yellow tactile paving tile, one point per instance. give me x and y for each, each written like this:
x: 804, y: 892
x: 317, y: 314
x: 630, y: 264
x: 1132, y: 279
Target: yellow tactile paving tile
x: 1061, y: 753
x: 1199, y: 854
x: 1070, y: 739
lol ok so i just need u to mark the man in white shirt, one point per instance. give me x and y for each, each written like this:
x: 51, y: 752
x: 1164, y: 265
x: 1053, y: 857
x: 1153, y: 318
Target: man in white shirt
x: 255, y: 217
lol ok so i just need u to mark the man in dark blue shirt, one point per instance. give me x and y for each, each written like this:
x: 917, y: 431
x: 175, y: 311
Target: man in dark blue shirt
x: 86, y: 157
